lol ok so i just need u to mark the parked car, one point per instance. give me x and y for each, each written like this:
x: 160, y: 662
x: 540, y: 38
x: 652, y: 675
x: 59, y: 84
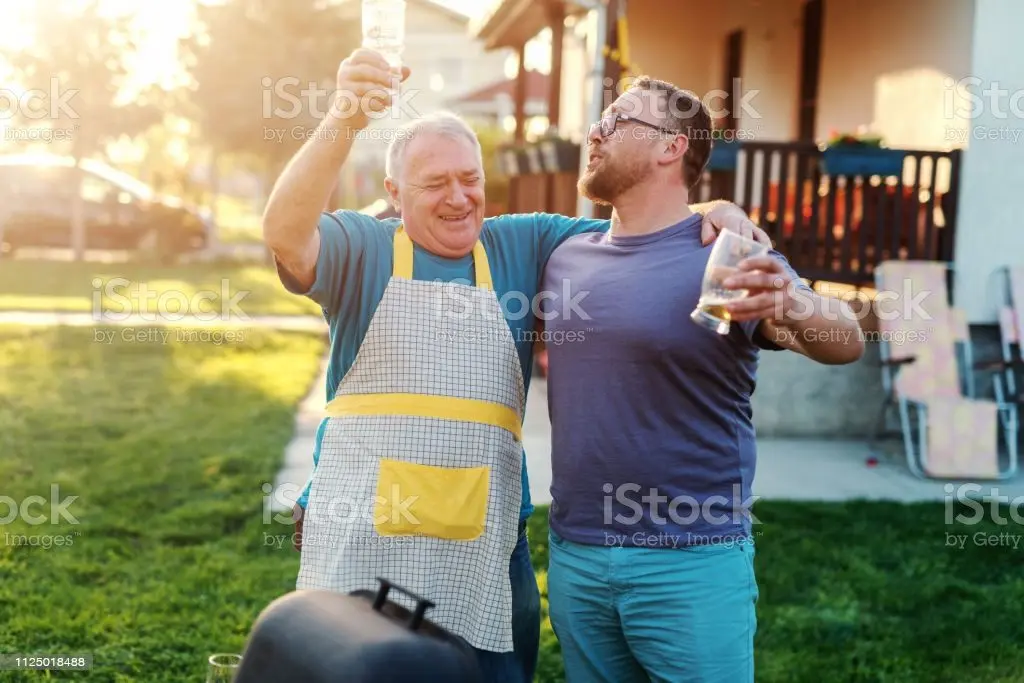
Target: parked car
x: 120, y: 212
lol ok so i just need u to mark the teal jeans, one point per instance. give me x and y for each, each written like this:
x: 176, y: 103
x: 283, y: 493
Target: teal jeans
x: 625, y: 614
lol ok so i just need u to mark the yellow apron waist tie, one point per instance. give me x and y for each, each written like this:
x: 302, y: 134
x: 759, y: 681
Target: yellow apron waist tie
x: 427, y: 405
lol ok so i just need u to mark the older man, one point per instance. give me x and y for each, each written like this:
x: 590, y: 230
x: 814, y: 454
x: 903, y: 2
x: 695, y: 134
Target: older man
x: 419, y: 468
x: 651, y: 560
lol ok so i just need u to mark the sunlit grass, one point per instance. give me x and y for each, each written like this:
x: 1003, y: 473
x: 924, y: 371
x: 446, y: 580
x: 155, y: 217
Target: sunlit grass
x: 166, y: 447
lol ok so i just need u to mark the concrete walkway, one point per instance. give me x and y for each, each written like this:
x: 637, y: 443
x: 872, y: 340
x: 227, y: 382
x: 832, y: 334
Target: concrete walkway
x: 298, y: 454
x: 301, y: 323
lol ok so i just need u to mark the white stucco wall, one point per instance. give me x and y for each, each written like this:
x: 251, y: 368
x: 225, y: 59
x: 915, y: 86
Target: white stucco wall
x: 991, y: 212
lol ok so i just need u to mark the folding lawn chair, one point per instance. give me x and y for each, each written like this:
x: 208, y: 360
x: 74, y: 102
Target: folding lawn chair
x: 927, y: 374
x: 1011, y: 333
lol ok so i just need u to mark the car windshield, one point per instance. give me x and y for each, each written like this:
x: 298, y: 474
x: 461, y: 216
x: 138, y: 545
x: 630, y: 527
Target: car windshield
x: 121, y: 179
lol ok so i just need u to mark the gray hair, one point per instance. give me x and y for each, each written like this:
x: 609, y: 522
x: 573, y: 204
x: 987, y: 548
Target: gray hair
x: 441, y: 123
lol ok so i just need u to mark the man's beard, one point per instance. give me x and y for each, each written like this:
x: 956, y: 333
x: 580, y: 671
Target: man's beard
x: 611, y: 179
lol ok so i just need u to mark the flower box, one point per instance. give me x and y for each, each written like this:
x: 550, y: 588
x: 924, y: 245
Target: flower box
x: 724, y: 155
x: 513, y: 160
x: 861, y: 153
x: 862, y: 160
x: 534, y: 163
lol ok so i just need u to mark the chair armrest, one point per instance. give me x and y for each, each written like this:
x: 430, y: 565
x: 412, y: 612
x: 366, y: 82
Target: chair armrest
x: 999, y: 365
x: 896, y: 362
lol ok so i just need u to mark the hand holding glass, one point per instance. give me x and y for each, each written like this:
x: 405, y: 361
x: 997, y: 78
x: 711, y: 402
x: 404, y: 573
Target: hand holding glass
x: 384, y: 32
x: 729, y: 250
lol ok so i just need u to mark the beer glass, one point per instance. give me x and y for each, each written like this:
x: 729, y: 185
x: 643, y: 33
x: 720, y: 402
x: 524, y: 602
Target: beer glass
x: 729, y: 250
x: 223, y: 668
x: 384, y: 31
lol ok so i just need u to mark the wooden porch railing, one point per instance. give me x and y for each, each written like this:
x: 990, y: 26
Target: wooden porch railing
x: 838, y: 227
x: 833, y: 228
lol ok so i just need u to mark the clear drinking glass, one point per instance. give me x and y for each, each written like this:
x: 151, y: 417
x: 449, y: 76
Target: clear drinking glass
x: 729, y: 250
x: 223, y: 668
x: 384, y: 32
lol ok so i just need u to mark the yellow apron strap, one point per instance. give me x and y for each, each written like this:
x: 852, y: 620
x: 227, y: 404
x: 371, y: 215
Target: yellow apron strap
x: 426, y: 405
x: 483, y: 268
x: 403, y: 254
x: 403, y: 260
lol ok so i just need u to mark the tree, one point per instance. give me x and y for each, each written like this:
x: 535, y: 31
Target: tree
x: 263, y: 74
x: 77, y: 66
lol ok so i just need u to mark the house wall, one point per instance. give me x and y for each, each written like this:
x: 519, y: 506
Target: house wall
x: 687, y: 46
x: 445, y: 61
x: 889, y: 65
x: 991, y: 212
x: 885, y: 65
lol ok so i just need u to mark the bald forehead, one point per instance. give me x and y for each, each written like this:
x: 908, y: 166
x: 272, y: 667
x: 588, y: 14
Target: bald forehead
x: 430, y: 155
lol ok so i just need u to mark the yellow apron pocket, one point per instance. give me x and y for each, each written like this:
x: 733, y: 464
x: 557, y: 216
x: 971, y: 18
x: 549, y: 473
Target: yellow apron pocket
x: 426, y: 500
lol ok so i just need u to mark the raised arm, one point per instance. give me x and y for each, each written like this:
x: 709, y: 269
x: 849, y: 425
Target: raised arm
x: 304, y: 188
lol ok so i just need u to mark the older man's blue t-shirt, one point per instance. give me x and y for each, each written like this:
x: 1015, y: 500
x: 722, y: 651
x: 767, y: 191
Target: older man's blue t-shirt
x: 653, y: 439
x: 355, y: 264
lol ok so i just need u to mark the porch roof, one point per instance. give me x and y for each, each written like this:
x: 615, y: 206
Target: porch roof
x: 511, y: 23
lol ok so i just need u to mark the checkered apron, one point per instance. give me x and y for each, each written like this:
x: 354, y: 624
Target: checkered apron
x: 430, y: 412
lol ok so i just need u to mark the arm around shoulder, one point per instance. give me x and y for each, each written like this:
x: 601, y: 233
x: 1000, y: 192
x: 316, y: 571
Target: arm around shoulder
x: 552, y: 229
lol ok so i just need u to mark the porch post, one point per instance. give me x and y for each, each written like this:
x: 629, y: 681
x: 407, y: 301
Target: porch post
x: 520, y: 96
x: 556, y: 19
x: 991, y: 208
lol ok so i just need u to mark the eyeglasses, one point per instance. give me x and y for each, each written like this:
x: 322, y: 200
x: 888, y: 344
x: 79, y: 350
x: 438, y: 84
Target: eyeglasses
x: 610, y: 121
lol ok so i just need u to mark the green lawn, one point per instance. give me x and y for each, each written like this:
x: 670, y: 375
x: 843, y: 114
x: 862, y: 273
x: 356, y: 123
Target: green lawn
x: 122, y: 287
x: 167, y: 446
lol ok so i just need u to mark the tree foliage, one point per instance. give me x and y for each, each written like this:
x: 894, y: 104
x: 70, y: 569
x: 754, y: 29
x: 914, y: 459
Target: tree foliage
x: 262, y: 73
x: 77, y: 67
